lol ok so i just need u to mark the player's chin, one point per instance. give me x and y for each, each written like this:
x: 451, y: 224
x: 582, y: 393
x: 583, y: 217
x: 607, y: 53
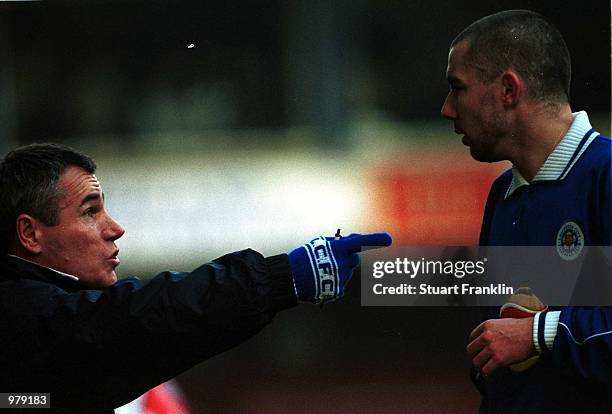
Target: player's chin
x: 479, y: 154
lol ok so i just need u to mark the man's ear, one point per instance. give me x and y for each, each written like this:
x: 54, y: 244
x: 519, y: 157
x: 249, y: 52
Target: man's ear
x: 27, y: 229
x: 513, y: 88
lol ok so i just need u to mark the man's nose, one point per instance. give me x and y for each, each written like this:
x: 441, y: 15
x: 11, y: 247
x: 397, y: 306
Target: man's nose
x: 113, y: 230
x: 448, y: 110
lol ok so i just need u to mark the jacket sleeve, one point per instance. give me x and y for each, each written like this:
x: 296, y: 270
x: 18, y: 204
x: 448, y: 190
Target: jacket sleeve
x: 109, y: 346
x: 580, y: 338
x: 582, y: 345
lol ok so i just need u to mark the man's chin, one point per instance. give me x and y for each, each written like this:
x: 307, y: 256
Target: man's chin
x: 100, y: 282
x: 111, y: 279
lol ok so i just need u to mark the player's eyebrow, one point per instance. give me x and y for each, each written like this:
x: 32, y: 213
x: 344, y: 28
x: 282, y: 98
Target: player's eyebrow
x: 92, y: 196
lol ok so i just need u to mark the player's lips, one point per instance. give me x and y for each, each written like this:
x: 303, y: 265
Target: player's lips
x: 464, y: 140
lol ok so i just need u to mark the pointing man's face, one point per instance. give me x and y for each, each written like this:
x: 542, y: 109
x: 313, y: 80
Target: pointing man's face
x: 83, y: 241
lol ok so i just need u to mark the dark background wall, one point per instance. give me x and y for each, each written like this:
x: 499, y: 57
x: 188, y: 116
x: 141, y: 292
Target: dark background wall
x: 86, y: 68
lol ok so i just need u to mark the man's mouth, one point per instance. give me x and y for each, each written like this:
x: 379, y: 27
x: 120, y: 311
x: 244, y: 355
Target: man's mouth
x: 114, y: 259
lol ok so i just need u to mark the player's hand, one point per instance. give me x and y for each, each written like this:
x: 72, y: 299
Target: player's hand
x: 500, y: 342
x: 322, y: 267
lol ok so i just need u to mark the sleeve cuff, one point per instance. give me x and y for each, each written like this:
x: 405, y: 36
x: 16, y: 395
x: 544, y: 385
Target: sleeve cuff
x: 282, y: 282
x: 545, y: 330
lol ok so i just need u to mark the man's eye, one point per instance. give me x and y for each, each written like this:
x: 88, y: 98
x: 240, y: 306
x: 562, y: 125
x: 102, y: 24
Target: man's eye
x: 90, y: 211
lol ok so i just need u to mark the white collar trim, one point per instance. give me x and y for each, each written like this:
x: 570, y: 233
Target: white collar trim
x: 56, y: 271
x: 558, y: 160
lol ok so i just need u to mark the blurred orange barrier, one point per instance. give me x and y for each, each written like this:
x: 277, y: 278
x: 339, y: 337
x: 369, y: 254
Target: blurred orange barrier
x: 431, y: 198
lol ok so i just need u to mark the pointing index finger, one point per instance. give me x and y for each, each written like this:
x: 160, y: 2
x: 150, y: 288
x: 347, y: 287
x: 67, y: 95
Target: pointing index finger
x: 372, y: 239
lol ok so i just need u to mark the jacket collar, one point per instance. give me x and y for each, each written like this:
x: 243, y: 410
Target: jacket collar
x: 564, y: 155
x: 14, y: 267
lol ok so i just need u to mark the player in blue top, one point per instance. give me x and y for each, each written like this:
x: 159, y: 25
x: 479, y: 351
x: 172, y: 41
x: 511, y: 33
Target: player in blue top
x: 509, y: 75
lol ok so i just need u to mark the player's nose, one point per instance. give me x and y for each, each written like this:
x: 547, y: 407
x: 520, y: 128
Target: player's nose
x: 448, y: 110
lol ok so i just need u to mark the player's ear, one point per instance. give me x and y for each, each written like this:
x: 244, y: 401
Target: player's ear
x: 28, y: 233
x: 513, y: 88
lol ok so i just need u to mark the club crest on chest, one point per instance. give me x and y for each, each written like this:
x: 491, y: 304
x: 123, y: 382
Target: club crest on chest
x: 570, y: 240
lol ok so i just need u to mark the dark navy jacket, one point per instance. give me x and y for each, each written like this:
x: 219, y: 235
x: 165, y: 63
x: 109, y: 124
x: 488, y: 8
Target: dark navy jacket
x: 95, y: 350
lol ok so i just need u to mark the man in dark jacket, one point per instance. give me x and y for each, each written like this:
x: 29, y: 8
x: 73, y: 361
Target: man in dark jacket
x: 68, y: 327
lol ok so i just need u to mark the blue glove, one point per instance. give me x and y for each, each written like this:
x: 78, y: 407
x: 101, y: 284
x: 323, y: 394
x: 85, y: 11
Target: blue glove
x: 322, y: 267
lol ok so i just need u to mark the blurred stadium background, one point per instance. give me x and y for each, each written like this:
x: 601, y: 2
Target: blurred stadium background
x: 287, y: 119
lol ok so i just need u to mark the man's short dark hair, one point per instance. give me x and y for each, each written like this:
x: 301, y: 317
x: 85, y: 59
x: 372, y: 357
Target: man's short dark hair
x: 524, y: 41
x: 28, y: 184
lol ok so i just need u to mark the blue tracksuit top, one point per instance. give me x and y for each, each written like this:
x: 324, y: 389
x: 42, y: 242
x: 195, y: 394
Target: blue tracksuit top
x: 567, y: 204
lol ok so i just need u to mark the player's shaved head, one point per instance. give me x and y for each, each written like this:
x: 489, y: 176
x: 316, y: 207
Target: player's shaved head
x: 524, y: 41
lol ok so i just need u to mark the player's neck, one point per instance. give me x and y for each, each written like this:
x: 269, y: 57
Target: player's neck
x: 538, y: 136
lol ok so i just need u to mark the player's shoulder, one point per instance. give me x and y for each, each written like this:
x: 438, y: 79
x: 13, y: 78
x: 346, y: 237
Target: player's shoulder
x: 603, y: 142
x: 500, y: 185
x: 599, y: 152
x: 503, y: 180
x: 506, y: 176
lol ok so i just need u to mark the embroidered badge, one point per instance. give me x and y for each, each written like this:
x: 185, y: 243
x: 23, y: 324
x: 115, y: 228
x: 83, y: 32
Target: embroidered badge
x: 570, y: 241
